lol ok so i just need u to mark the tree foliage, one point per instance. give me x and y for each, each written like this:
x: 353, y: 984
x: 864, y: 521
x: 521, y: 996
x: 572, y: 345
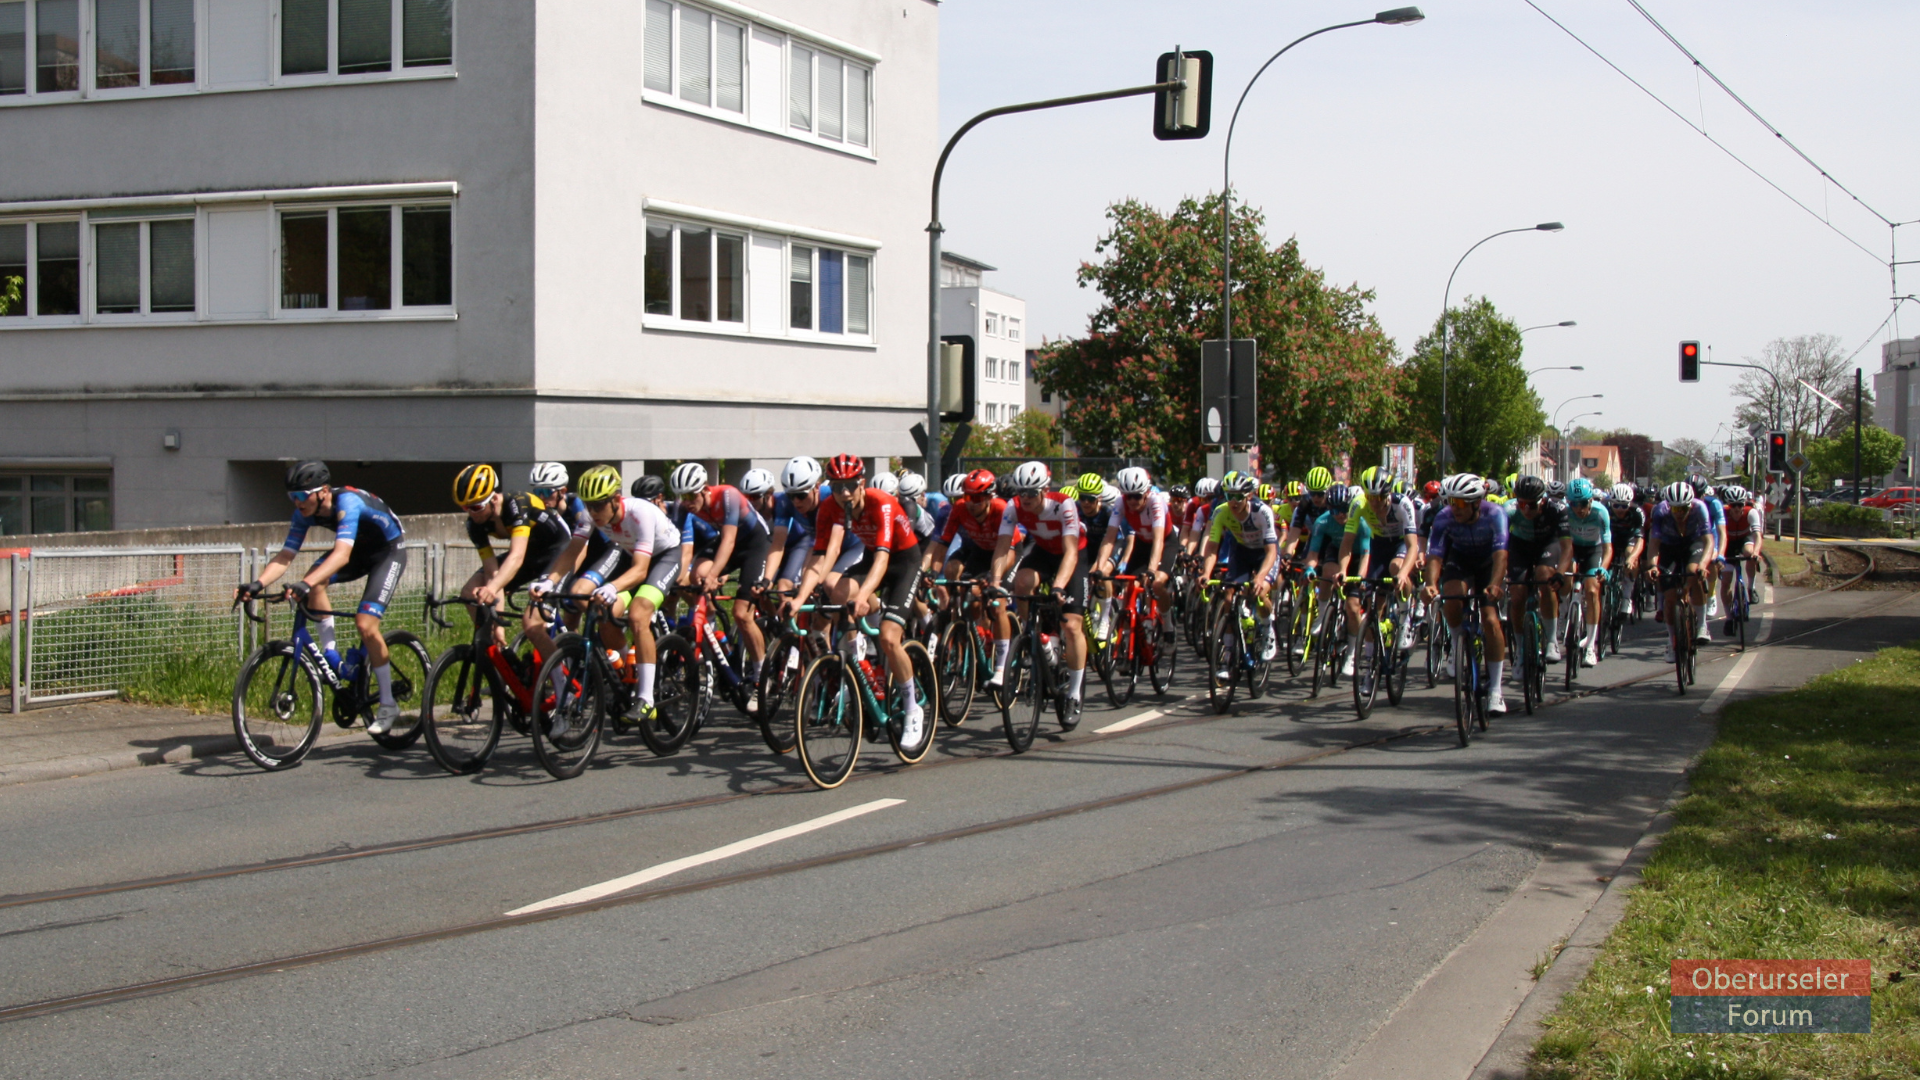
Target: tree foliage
x: 1030, y: 434
x: 1880, y: 453
x: 10, y: 287
x: 1495, y: 413
x: 1328, y: 383
x: 1636, y: 451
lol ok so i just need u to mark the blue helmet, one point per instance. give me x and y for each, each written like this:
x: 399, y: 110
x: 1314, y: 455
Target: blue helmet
x: 1580, y: 490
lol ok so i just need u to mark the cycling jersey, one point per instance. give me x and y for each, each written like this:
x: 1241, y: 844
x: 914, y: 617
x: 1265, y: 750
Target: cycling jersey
x: 352, y: 508
x: 1627, y: 524
x: 1094, y: 527
x: 704, y: 535
x: 1198, y: 511
x: 982, y: 532
x: 1327, y: 533
x: 1745, y: 525
x: 1427, y: 513
x: 881, y: 524
x: 1468, y: 542
x: 1543, y: 530
x: 1256, y: 530
x: 1592, y: 531
x: 1306, y: 514
x: 1666, y: 527
x: 1151, y: 513
x: 724, y: 505
x: 1391, y: 515
x: 574, y: 513
x: 1056, y: 521
x: 521, y: 515
x: 1716, y: 511
x: 919, y: 517
x: 643, y: 528
x: 942, y: 508
x: 797, y: 522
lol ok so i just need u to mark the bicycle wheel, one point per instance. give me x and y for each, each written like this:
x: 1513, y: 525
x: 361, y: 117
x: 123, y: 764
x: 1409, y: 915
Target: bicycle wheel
x: 1682, y: 630
x: 1399, y: 660
x: 680, y: 691
x: 926, y: 689
x: 529, y: 660
x: 1529, y: 658
x: 828, y: 721
x: 956, y: 674
x: 1026, y: 696
x: 1298, y: 629
x: 1158, y: 641
x: 568, y: 714
x: 1743, y: 607
x: 276, y: 707
x: 779, y: 683
x: 463, y: 710
x: 1123, y: 659
x: 1482, y: 684
x: 1464, y: 682
x: 1439, y: 640
x: 1570, y: 649
x: 1367, y: 667
x: 1223, y: 660
x: 408, y: 662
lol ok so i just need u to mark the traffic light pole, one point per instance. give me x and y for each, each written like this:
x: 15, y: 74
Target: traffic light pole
x: 935, y: 231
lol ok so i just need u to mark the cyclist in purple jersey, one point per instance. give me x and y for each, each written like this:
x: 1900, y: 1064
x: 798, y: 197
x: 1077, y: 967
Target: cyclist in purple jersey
x: 1468, y: 548
x: 1683, y: 539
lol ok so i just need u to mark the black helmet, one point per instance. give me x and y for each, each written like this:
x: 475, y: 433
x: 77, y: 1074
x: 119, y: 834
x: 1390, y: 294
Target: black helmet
x: 649, y: 487
x: 1529, y: 487
x: 308, y: 475
x: 1556, y: 490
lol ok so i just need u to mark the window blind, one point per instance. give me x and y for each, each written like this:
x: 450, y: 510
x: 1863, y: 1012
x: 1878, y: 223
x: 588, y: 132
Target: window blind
x: 696, y: 60
x: 857, y: 104
x: 426, y: 33
x: 659, y: 47
x: 800, y: 90
x: 366, y: 36
x: 116, y: 44
x: 729, y: 50
x: 170, y: 51
x: 13, y: 47
x: 303, y: 36
x: 170, y: 266
x: 116, y: 263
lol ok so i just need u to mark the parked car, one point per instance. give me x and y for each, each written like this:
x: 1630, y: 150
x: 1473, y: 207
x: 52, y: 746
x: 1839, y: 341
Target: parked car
x: 1893, y: 497
x: 1842, y: 494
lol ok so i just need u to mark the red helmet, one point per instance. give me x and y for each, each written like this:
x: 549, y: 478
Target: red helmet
x: 978, y: 482
x: 846, y: 467
x: 1432, y: 489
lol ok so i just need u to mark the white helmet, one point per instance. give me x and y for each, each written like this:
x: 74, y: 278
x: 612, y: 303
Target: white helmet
x: 886, y: 483
x: 756, y: 483
x: 912, y: 485
x: 1621, y: 495
x: 1463, y: 486
x: 688, y: 478
x: 801, y: 474
x: 1678, y: 492
x: 955, y: 485
x: 1032, y: 476
x: 547, y: 474
x: 1205, y: 487
x: 1109, y: 496
x: 1133, y: 480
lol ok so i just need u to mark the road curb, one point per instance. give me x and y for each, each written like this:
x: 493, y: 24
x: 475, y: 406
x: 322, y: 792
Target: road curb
x: 183, y: 749
x: 1508, y: 1057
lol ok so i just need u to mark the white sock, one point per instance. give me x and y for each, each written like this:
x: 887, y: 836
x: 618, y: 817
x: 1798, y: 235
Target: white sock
x: 1459, y: 650
x: 384, y: 673
x: 1553, y: 628
x: 907, y: 695
x: 325, y: 635
x: 1000, y: 651
x: 1074, y: 678
x: 1496, y: 669
x: 643, y: 685
x: 1106, y: 609
x: 1355, y: 640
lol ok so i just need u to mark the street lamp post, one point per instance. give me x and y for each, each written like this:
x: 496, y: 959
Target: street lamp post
x: 1549, y: 325
x: 1570, y: 367
x: 1396, y: 17
x: 1560, y: 455
x: 1446, y: 335
x: 1566, y: 465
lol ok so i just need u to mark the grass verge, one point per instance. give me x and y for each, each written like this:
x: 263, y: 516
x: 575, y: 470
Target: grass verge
x: 1800, y: 838
x: 1789, y: 564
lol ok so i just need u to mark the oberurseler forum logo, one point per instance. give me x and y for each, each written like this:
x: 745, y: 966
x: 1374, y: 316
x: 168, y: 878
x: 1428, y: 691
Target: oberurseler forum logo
x: 1772, y: 996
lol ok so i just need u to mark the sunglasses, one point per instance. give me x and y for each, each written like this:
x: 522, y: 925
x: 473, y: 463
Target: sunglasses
x: 1462, y: 504
x: 544, y: 492
x: 1131, y: 496
x: 981, y: 497
x: 1236, y: 498
x: 303, y: 496
x: 847, y: 487
x: 602, y: 504
x: 474, y: 508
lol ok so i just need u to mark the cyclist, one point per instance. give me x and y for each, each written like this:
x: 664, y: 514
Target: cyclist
x: 1146, y: 524
x: 1717, y: 536
x: 757, y: 486
x: 1468, y: 549
x: 1178, y: 496
x: 1242, y: 529
x: 883, y: 580
x: 913, y: 489
x: 651, y: 488
x: 367, y: 543
x: 1745, y: 528
x: 1329, y: 552
x: 794, y: 510
x: 1194, y: 533
x: 536, y: 536
x: 972, y: 532
x: 1536, y: 557
x: 1090, y: 496
x: 1628, y: 525
x: 1395, y: 545
x: 1053, y: 523
x: 1682, y: 530
x: 1308, y: 511
x: 744, y: 544
x: 1590, y: 532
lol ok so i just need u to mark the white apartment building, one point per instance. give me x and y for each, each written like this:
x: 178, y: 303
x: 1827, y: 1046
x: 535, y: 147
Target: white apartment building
x: 998, y: 325
x: 1896, y: 401
x: 404, y: 235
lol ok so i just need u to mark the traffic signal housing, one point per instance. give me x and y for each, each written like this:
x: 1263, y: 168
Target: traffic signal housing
x: 1777, y: 451
x: 1689, y: 361
x: 1183, y: 113
x: 958, y: 372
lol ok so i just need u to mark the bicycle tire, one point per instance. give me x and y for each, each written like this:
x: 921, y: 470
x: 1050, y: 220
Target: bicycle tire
x: 1465, y: 682
x: 1366, y: 669
x: 1682, y: 631
x: 580, y: 697
x: 1020, y: 718
x: 1439, y: 641
x: 680, y: 696
x: 1400, y: 660
x: 1297, y: 629
x: 1223, y: 655
x: 956, y: 671
x: 1162, y: 659
x: 464, y: 710
x: 1570, y: 649
x: 1527, y: 659
x: 1123, y: 659
x: 530, y: 661
x: 828, y: 721
x: 927, y: 689
x: 779, y: 682
x: 276, y: 723
x: 407, y: 663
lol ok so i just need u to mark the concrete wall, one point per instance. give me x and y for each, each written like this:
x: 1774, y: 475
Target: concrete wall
x: 268, y: 536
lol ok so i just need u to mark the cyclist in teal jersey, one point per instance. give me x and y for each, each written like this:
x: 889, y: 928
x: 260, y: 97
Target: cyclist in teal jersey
x: 1590, y: 531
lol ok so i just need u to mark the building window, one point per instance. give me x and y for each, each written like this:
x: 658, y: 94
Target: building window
x: 143, y: 267
x: 993, y: 324
x: 800, y: 288
x: 55, y: 503
x: 40, y: 270
x: 701, y: 60
x: 700, y: 277
x: 348, y: 259
x: 363, y: 37
x: 1013, y: 329
x: 700, y: 274
x: 139, y: 43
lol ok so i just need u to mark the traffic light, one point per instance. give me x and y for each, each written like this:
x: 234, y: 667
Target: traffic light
x: 1689, y: 361
x: 1183, y: 113
x: 958, y: 370
x: 1777, y: 451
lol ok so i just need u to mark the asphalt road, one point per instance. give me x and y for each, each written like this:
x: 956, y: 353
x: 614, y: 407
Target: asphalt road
x: 1040, y: 915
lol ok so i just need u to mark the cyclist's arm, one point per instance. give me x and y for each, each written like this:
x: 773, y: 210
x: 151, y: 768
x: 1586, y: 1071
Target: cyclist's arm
x: 825, y: 552
x: 1266, y: 563
x: 331, y: 565
x: 1069, y: 558
x: 502, y: 570
x: 778, y: 543
x: 1346, y: 541
x: 724, y: 554
x: 277, y: 565
x: 1497, y: 585
x: 1159, y: 549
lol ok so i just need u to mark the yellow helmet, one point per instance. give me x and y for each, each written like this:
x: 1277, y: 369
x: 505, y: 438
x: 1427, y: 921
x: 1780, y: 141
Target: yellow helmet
x: 475, y: 484
x: 1295, y: 489
x: 1319, y: 478
x: 1266, y: 492
x: 598, y: 484
x: 1090, y: 485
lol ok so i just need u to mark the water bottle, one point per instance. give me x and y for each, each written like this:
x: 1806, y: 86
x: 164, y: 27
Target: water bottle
x: 1052, y: 646
x: 333, y: 659
x: 350, y: 666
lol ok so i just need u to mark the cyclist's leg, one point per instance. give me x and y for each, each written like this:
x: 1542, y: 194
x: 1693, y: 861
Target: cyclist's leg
x: 1073, y: 609
x: 383, y: 580
x: 661, y: 574
x: 480, y: 577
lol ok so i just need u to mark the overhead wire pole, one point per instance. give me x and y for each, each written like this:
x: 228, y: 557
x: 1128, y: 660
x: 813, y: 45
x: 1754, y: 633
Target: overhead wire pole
x: 1446, y: 325
x: 934, y: 231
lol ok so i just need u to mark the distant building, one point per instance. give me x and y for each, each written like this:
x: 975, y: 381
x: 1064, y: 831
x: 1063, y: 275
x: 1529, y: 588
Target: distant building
x: 1896, y: 400
x: 998, y: 324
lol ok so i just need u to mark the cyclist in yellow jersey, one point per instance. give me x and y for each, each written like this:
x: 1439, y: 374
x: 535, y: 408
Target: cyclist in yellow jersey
x: 1394, y: 547
x: 1242, y: 531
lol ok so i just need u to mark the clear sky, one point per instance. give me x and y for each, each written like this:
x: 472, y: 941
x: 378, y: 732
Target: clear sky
x: 1389, y: 150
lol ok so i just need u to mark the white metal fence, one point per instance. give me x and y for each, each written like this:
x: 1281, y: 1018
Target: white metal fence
x: 81, y: 623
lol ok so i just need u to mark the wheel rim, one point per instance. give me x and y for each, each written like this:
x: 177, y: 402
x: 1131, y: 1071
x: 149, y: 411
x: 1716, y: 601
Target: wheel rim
x: 278, y: 708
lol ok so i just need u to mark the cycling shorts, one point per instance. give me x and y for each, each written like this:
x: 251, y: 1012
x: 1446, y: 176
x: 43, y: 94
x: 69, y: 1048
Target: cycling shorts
x: 794, y: 562
x: 1137, y: 562
x: 382, y: 567
x: 1382, y: 554
x: 1675, y: 558
x: 534, y: 565
x: 1523, y: 555
x: 663, y: 573
x: 1479, y: 575
x: 1244, y: 562
x: 895, y: 590
x: 604, y: 560
x: 1586, y: 560
x: 749, y: 557
x: 975, y: 561
x: 1073, y: 598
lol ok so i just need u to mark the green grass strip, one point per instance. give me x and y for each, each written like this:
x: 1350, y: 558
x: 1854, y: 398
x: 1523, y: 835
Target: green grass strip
x: 1799, y: 838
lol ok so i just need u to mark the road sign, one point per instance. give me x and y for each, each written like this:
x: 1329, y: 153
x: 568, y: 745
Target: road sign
x: 1228, y: 393
x: 1798, y: 463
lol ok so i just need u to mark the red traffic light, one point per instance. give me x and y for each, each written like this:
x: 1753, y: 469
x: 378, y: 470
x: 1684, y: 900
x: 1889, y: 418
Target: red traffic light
x: 1777, y: 451
x: 1689, y: 349
x: 1689, y: 361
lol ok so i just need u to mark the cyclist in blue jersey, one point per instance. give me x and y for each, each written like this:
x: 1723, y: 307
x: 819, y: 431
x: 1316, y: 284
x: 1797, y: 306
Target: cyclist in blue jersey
x: 1590, y: 531
x: 367, y: 543
x: 1716, y: 535
x: 1682, y: 541
x: 1468, y: 548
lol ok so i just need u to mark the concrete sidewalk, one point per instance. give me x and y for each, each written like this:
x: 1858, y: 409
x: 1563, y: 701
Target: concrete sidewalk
x: 98, y: 736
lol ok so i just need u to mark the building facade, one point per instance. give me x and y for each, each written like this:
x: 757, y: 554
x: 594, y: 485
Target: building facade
x: 404, y: 235
x: 1896, y: 401
x: 997, y: 323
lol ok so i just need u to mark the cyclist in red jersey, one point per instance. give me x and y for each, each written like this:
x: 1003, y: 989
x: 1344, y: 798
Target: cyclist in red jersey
x: 884, y: 578
x: 745, y: 541
x: 975, y: 519
x: 1053, y: 522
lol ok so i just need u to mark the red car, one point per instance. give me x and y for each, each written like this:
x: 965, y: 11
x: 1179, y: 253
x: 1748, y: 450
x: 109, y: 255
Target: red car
x: 1892, y: 497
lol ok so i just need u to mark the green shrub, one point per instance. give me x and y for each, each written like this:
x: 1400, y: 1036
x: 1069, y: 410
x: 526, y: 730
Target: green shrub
x: 1865, y: 520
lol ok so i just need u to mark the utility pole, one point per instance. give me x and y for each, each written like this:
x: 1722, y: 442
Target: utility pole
x: 1859, y: 381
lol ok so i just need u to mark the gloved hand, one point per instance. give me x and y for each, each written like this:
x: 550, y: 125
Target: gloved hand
x: 299, y: 590
x: 540, y: 587
x: 606, y: 594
